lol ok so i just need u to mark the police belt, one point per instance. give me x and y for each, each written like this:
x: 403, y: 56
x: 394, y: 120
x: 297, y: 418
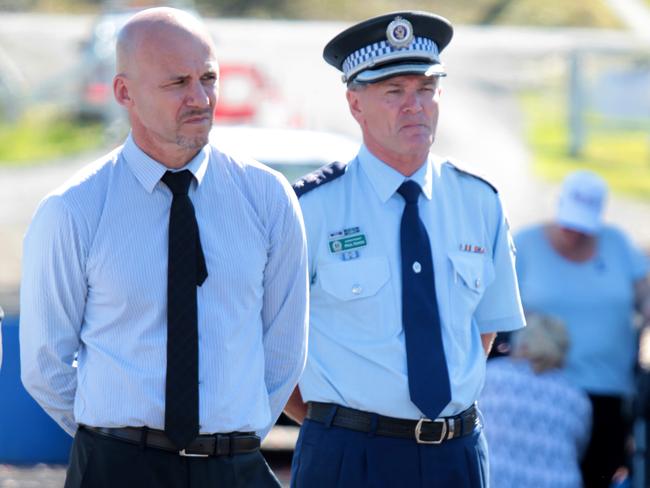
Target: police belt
x: 423, y: 431
x: 202, y: 446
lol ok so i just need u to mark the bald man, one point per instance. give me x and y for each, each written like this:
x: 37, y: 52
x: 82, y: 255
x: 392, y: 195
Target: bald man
x: 175, y: 276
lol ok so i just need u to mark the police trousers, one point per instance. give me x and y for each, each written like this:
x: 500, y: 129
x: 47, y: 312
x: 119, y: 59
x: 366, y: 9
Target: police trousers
x: 336, y: 457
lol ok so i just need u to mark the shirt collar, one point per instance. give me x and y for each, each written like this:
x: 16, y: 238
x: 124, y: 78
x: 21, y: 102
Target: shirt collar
x: 148, y: 171
x: 386, y: 180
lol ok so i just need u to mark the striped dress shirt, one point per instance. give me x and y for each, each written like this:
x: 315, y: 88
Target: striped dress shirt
x: 94, y: 293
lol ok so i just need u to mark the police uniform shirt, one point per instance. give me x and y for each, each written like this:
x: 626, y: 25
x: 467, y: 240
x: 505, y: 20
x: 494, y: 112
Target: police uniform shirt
x: 357, y: 356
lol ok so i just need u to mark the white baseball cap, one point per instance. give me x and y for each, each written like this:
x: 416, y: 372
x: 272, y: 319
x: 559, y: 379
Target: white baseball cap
x: 582, y: 201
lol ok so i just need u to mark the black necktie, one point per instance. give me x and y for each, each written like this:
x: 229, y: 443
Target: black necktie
x: 427, y: 368
x: 186, y: 270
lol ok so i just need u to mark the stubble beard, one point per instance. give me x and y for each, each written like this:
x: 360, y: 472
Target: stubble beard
x: 192, y: 143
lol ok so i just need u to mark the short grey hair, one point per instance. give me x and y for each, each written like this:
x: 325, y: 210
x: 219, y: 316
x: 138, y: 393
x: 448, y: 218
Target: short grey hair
x: 356, y: 86
x: 544, y: 342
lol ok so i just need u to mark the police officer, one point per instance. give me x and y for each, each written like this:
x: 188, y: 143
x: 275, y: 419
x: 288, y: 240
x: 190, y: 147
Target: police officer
x: 412, y: 274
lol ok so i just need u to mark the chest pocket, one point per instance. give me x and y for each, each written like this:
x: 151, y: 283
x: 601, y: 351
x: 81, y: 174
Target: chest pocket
x: 472, y: 273
x: 358, y: 278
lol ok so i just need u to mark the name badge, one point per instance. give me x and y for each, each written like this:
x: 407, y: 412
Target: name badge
x: 346, y: 240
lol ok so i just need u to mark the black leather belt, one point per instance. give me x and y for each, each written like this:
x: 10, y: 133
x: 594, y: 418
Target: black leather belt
x: 202, y: 446
x: 423, y: 431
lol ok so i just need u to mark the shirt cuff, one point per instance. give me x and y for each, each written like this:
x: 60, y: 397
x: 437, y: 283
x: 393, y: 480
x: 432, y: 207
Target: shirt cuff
x: 501, y: 325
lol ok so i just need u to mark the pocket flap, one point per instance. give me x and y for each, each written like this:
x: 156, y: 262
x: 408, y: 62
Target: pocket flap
x: 475, y: 270
x: 357, y: 278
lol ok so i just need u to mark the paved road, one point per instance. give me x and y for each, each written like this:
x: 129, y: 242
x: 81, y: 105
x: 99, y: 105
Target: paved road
x: 53, y: 476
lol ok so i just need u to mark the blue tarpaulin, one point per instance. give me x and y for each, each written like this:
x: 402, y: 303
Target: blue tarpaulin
x: 27, y: 434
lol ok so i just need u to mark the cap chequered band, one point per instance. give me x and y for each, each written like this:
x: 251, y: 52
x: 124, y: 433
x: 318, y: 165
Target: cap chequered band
x: 381, y: 52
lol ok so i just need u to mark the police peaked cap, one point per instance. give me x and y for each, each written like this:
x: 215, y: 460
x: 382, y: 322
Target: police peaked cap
x: 392, y: 44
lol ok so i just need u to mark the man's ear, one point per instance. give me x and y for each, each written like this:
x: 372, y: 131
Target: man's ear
x: 354, y: 103
x: 121, y: 91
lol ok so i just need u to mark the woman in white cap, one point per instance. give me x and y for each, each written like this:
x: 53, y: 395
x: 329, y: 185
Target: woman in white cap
x: 594, y: 279
x: 536, y: 422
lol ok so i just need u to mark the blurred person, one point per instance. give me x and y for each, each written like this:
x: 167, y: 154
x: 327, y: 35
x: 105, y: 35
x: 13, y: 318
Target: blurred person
x: 537, y: 424
x: 590, y: 276
x: 396, y: 354
x: 187, y: 348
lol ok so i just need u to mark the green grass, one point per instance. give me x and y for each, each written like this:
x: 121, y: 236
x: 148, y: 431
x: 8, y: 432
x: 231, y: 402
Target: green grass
x: 620, y: 155
x: 42, y: 135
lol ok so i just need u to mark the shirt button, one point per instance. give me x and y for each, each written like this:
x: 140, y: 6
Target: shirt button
x: 417, y: 267
x: 477, y: 283
x: 356, y: 289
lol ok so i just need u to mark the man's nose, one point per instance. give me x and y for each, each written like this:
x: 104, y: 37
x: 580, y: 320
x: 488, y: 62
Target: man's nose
x: 412, y: 102
x: 198, y: 95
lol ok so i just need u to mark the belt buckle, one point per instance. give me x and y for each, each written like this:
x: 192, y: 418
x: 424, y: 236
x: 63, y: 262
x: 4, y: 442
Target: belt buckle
x: 184, y: 453
x: 418, y: 431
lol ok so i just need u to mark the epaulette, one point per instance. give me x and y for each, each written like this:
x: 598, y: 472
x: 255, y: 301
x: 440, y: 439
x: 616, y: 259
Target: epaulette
x: 322, y: 175
x: 471, y: 173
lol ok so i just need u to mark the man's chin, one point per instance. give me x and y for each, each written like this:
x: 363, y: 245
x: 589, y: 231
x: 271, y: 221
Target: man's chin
x: 419, y: 144
x: 196, y: 141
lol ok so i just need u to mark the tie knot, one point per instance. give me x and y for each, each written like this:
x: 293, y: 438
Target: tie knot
x: 410, y: 190
x: 178, y: 183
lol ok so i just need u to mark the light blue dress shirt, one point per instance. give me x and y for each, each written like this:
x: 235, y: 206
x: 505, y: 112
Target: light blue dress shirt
x: 94, y: 285
x: 594, y: 299
x: 357, y: 356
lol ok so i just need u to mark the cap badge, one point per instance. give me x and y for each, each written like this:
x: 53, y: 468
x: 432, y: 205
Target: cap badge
x: 399, y: 33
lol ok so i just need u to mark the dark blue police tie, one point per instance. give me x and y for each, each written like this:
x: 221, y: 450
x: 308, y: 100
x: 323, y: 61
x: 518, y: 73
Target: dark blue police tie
x: 186, y: 270
x: 427, y: 368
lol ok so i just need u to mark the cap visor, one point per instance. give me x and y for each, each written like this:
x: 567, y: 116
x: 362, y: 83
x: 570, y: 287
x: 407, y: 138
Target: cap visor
x: 584, y: 225
x: 384, y: 72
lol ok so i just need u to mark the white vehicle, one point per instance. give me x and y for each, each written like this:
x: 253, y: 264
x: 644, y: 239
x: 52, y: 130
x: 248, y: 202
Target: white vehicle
x: 293, y: 152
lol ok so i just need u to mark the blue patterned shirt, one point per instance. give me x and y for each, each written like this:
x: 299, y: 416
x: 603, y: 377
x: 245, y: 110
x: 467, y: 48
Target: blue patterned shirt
x: 537, y: 426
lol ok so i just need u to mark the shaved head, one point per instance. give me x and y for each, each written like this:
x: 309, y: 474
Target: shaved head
x: 149, y: 29
x: 167, y: 79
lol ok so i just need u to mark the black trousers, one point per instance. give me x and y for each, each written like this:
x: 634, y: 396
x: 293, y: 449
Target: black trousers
x: 606, y: 450
x: 97, y: 461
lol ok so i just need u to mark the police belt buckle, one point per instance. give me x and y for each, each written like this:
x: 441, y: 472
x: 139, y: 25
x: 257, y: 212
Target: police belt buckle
x: 418, y: 430
x: 184, y: 453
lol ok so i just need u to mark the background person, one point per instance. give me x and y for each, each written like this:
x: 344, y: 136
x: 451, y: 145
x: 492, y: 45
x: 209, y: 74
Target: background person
x: 411, y: 273
x: 537, y: 424
x: 591, y: 277
x: 177, y: 277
